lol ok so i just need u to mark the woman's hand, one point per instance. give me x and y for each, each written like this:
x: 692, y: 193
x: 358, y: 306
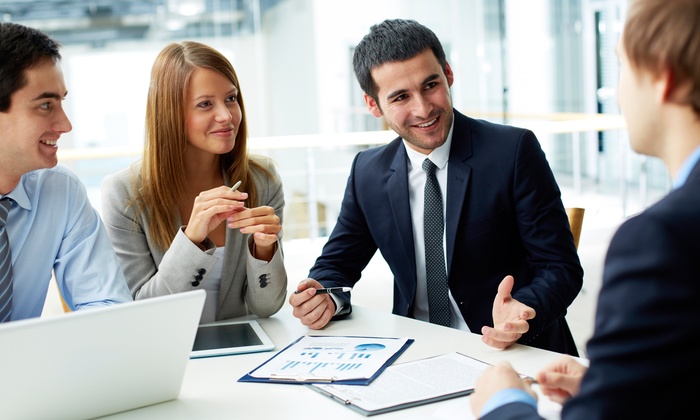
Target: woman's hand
x: 210, y: 209
x: 263, y: 224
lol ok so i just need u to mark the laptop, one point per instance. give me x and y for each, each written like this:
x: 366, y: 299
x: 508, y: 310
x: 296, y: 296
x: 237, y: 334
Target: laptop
x: 99, y: 361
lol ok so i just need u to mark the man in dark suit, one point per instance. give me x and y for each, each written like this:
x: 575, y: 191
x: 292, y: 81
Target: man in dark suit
x: 510, y: 269
x: 643, y: 353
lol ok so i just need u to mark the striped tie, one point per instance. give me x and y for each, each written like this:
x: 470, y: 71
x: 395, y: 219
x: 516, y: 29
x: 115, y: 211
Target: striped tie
x: 435, y: 272
x: 5, y: 264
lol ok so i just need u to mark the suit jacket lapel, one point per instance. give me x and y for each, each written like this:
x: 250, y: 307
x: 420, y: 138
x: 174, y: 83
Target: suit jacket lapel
x: 397, y: 186
x: 458, y: 173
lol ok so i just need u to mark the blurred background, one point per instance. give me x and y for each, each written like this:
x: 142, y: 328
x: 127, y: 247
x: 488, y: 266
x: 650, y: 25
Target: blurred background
x: 548, y: 65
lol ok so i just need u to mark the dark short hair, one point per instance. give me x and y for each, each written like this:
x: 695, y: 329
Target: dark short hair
x: 21, y: 48
x: 391, y: 41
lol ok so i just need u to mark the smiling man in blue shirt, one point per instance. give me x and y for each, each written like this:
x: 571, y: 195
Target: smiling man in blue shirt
x: 50, y: 223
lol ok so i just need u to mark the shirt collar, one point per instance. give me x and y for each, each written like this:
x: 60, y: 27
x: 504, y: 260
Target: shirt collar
x: 438, y: 156
x: 686, y: 168
x: 19, y: 194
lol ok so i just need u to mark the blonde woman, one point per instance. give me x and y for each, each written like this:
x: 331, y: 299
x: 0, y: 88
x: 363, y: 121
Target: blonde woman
x: 175, y: 222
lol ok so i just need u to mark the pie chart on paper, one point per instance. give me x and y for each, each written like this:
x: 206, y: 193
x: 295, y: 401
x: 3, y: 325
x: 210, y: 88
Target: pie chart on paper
x: 369, y: 347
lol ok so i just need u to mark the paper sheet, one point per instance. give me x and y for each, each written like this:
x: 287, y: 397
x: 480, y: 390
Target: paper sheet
x: 411, y: 383
x: 334, y: 358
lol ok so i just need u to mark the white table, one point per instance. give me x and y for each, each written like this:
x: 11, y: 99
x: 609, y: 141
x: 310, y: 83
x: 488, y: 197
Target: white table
x: 210, y: 389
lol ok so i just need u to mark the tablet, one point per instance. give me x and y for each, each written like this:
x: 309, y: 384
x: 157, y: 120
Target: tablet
x: 230, y: 337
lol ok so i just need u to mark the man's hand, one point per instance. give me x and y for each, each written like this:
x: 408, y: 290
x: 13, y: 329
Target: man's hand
x: 509, y: 318
x: 494, y: 379
x: 561, y: 379
x: 312, y: 310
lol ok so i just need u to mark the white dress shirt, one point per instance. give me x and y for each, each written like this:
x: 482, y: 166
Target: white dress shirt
x: 416, y: 194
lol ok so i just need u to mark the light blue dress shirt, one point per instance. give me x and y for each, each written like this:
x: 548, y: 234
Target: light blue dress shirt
x: 52, y: 226
x: 507, y: 396
x: 686, y: 168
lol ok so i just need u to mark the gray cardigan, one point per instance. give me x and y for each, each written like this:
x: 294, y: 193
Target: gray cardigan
x: 248, y: 286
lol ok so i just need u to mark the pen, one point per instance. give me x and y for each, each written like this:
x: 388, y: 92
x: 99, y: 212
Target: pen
x: 235, y: 186
x: 530, y: 380
x: 328, y: 290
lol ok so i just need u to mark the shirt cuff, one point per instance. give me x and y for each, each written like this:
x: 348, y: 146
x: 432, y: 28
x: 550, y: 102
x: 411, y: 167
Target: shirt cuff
x: 339, y: 304
x: 507, y: 396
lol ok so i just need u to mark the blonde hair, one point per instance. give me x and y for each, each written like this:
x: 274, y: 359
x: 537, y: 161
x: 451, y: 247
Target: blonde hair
x: 163, y: 179
x: 663, y: 33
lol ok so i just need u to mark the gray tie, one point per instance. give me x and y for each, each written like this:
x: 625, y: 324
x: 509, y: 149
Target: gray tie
x: 5, y: 264
x: 435, y: 273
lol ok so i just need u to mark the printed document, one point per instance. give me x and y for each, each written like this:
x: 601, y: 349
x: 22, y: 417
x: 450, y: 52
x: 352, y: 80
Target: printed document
x: 409, y: 384
x: 332, y: 358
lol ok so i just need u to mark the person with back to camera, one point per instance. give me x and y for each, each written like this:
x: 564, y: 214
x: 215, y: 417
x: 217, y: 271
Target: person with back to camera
x: 466, y: 213
x: 643, y: 360
x: 195, y: 153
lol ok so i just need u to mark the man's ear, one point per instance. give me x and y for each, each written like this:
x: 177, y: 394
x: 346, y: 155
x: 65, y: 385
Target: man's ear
x: 669, y: 89
x: 372, y: 106
x: 449, y: 74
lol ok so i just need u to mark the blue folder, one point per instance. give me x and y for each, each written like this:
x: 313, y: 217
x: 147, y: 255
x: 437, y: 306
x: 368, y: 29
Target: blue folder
x: 300, y: 380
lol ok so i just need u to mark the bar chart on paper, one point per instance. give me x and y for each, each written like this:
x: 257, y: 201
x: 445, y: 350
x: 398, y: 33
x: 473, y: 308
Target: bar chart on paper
x: 341, y: 360
x: 332, y: 357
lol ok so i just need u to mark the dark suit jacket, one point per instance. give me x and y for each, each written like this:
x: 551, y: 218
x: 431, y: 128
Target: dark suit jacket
x: 644, y: 361
x: 504, y: 216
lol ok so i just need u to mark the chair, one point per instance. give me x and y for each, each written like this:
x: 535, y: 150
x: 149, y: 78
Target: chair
x: 64, y: 305
x: 575, y: 215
